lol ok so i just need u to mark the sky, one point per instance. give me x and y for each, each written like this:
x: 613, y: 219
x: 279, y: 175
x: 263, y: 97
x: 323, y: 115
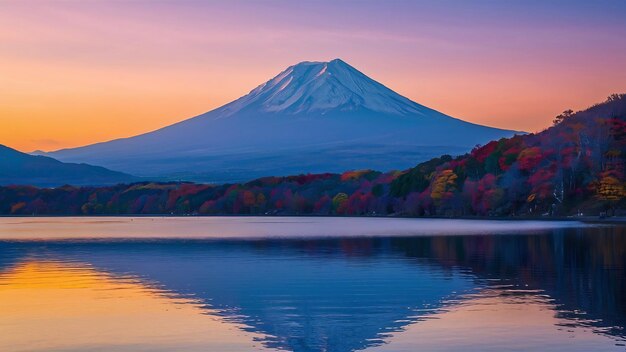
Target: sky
x: 78, y: 72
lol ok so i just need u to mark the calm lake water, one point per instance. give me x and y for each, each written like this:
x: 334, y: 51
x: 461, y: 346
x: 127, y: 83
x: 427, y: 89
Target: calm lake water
x: 310, y: 284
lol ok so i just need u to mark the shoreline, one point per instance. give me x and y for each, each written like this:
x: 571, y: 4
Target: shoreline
x: 584, y: 219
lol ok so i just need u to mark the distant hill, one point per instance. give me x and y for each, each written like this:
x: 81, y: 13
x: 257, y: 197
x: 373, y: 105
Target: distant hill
x: 24, y: 169
x: 578, y: 165
x: 312, y: 117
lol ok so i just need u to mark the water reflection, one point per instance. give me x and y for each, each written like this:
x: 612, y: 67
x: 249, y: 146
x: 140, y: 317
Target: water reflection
x: 562, y: 289
x: 501, y: 319
x: 69, y: 306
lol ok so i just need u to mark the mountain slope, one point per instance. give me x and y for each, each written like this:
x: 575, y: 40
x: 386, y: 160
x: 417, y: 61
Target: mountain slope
x: 312, y: 117
x: 24, y: 169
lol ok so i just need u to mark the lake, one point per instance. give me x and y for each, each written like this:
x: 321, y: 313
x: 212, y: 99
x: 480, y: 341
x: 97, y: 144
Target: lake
x: 310, y: 284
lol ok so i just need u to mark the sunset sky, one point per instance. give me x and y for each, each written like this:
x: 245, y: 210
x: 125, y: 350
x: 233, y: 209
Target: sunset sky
x: 78, y: 72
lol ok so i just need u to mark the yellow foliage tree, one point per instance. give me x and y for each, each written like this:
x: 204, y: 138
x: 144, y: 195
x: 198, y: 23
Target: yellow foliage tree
x: 339, y: 201
x: 611, y: 188
x: 443, y: 186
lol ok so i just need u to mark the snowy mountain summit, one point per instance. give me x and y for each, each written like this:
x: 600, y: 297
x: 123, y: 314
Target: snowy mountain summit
x: 310, y: 87
x: 313, y: 117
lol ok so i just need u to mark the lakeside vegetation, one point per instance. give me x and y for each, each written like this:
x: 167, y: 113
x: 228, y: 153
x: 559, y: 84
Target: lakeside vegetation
x: 576, y: 166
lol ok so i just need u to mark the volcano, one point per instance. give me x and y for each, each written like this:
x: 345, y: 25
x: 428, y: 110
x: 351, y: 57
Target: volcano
x: 313, y: 117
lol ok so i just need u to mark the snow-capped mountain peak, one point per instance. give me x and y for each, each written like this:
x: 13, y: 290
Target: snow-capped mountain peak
x: 312, y: 117
x: 318, y: 87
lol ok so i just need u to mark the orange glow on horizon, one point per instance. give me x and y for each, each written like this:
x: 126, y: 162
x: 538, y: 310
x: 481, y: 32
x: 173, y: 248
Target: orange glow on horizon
x: 84, y: 106
x: 77, y: 73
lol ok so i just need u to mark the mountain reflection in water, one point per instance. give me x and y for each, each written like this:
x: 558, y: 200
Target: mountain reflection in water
x: 555, y: 290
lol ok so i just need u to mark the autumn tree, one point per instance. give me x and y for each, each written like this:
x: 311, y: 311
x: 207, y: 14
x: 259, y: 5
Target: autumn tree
x: 610, y: 188
x: 563, y: 116
x: 339, y: 202
x: 443, y: 186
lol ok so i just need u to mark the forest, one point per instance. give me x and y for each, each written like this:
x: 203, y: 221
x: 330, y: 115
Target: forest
x: 574, y: 167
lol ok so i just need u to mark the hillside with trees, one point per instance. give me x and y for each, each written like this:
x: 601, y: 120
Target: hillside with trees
x: 576, y: 166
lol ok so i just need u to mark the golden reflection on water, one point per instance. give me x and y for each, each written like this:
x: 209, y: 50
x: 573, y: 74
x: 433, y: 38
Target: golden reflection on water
x: 53, y: 306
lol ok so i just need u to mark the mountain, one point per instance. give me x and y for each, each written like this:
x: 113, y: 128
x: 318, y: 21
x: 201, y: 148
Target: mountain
x: 312, y: 117
x: 578, y: 165
x: 24, y: 169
